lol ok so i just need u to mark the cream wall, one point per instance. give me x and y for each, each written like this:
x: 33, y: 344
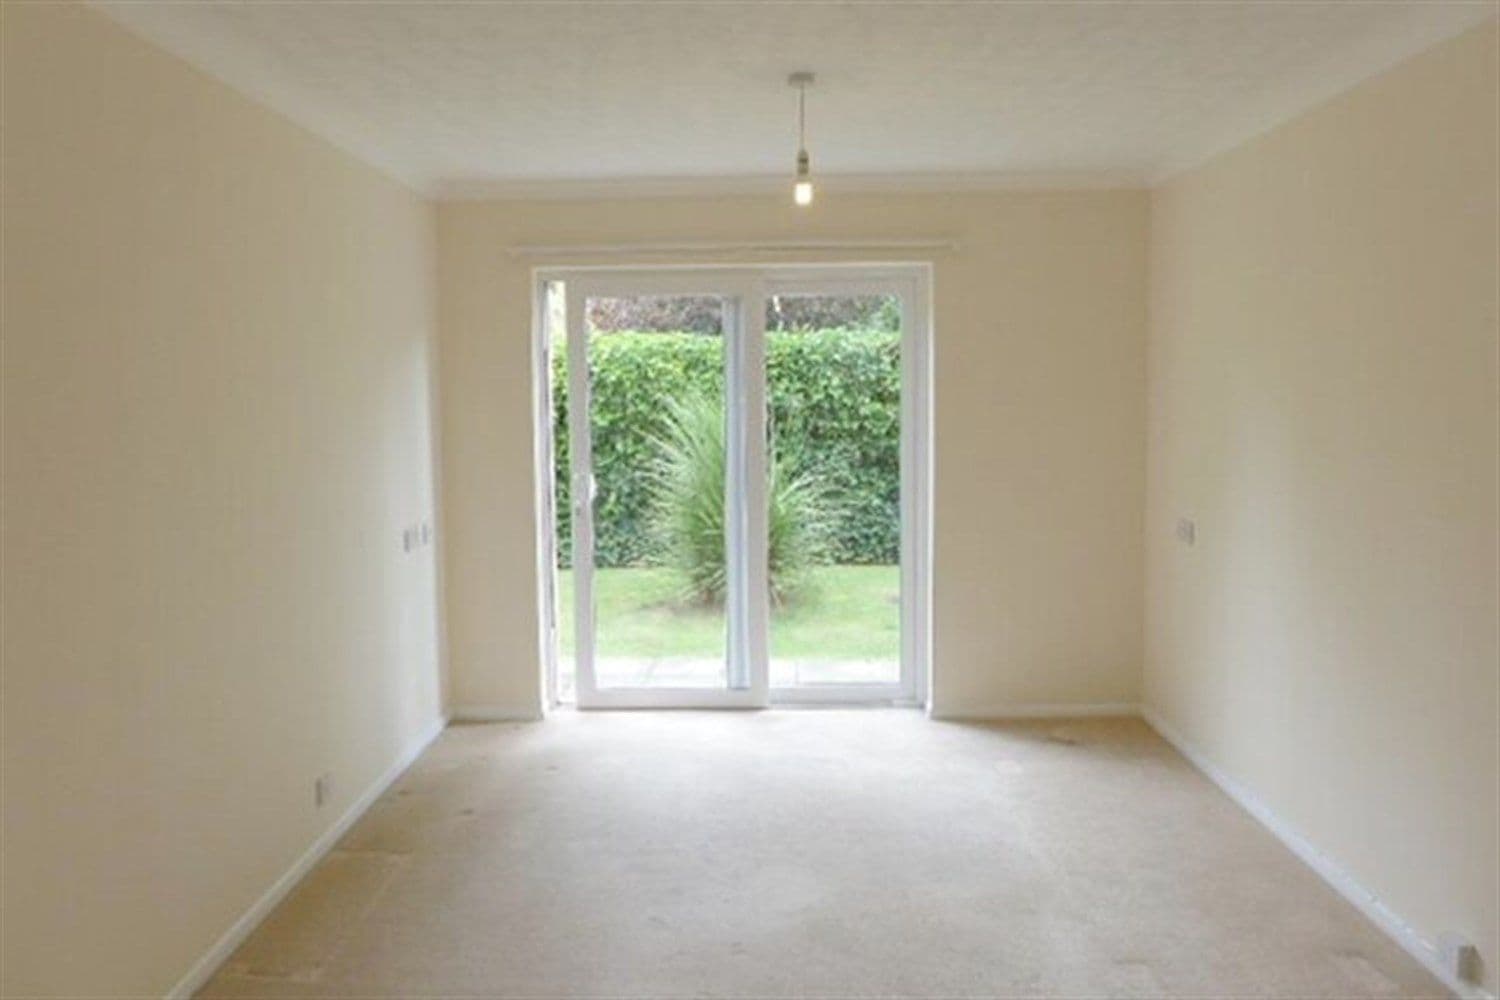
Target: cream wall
x: 1039, y: 427
x: 218, y: 340
x: 1324, y: 404
x: 219, y: 343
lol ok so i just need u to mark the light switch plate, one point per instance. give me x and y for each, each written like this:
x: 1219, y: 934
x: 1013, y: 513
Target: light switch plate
x: 1187, y: 531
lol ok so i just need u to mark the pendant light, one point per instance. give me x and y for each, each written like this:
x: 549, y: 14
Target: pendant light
x: 802, y: 190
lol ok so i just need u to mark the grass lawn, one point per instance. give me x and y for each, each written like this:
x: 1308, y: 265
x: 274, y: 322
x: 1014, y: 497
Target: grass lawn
x: 842, y: 613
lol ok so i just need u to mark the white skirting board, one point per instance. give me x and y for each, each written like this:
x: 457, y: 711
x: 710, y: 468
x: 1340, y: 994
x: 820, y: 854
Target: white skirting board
x: 203, y: 969
x: 493, y: 713
x: 1040, y: 710
x: 1329, y: 870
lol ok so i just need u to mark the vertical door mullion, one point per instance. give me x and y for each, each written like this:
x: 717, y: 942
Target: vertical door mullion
x: 745, y: 525
x: 736, y: 580
x: 749, y: 394
x: 753, y: 400
x: 916, y: 516
x: 909, y: 376
x: 580, y: 493
x: 547, y: 492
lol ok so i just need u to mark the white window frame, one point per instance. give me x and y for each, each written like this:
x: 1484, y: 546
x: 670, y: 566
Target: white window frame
x: 748, y: 289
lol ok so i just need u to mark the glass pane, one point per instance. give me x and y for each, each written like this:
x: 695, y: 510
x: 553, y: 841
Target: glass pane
x: 833, y: 383
x: 656, y: 374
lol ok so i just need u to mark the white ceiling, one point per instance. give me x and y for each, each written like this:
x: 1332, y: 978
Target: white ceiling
x: 472, y: 98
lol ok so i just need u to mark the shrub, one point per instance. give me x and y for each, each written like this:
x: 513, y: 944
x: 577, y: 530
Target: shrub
x: 835, y: 408
x: 688, y: 478
x: 834, y: 400
x: 705, y: 313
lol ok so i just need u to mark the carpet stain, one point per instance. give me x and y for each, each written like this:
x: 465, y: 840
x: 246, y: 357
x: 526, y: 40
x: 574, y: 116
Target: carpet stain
x: 1362, y: 972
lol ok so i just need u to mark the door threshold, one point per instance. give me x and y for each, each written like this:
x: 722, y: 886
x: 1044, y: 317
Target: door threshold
x: 775, y: 705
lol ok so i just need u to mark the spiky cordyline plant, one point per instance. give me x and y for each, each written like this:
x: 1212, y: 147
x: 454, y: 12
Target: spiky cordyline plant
x: 688, y: 478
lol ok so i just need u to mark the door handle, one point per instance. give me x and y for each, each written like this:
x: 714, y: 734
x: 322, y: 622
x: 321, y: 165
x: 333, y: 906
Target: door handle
x: 584, y: 498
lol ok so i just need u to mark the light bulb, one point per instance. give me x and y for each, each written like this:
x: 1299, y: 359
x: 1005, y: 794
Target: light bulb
x: 802, y: 193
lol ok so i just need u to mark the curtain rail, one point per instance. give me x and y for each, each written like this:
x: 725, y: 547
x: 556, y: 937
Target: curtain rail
x: 767, y: 246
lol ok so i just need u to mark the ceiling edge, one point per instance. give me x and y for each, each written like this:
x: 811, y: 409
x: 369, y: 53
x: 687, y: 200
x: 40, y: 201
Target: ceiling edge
x: 543, y: 189
x: 326, y: 132
x: 1355, y: 67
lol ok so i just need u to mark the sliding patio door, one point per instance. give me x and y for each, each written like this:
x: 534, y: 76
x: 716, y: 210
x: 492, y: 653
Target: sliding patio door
x: 740, y: 489
x: 666, y: 584
x: 844, y: 379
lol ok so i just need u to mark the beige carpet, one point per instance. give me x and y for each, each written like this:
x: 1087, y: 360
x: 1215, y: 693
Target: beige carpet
x: 805, y: 853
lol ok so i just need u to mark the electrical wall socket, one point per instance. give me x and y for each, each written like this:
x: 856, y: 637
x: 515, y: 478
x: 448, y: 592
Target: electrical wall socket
x: 1459, y: 956
x: 416, y: 536
x: 322, y: 790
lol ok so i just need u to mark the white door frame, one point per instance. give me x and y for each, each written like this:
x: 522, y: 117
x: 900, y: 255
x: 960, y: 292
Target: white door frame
x: 745, y: 289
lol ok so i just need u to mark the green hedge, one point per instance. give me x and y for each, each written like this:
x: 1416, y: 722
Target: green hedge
x: 835, y: 398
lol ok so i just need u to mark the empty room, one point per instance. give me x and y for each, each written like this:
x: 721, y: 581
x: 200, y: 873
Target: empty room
x: 657, y: 499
